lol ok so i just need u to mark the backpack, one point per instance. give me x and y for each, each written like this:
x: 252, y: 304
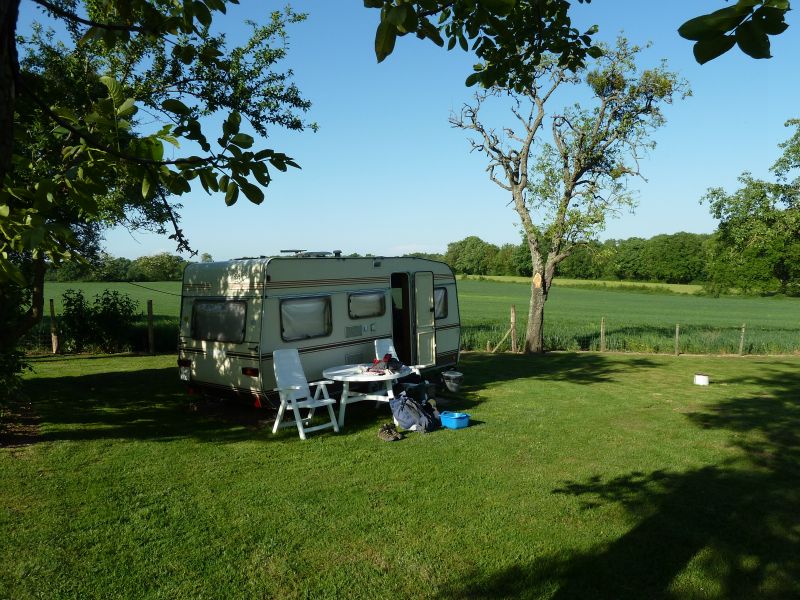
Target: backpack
x: 413, y: 415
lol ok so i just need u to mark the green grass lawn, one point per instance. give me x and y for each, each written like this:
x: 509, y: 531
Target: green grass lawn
x: 582, y: 476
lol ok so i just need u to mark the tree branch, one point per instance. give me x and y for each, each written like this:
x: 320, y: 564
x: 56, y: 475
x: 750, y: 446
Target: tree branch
x: 70, y: 16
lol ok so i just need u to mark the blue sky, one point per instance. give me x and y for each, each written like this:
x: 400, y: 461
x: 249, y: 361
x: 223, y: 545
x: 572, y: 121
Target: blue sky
x: 386, y: 174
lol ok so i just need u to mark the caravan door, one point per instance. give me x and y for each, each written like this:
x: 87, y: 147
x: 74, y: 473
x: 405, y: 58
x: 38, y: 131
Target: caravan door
x: 425, y: 324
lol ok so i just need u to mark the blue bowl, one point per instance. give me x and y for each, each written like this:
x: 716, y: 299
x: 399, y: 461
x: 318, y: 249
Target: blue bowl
x: 454, y: 420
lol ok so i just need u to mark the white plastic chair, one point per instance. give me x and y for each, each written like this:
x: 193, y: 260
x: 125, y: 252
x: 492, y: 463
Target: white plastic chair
x: 294, y: 391
x: 384, y: 346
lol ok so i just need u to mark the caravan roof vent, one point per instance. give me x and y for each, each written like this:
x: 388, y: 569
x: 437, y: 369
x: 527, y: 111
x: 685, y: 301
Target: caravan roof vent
x: 313, y: 254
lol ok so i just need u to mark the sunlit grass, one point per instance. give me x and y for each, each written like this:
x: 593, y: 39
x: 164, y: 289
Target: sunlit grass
x: 581, y: 476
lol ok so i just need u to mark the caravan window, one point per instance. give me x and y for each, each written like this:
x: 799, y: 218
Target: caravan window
x: 440, y: 303
x: 304, y: 318
x: 219, y: 320
x: 366, y: 304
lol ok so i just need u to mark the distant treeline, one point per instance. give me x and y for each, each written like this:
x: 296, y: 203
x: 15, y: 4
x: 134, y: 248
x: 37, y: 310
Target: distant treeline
x: 667, y: 258
x: 104, y: 267
x: 673, y: 258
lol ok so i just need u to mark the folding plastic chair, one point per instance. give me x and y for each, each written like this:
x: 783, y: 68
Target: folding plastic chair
x: 294, y: 391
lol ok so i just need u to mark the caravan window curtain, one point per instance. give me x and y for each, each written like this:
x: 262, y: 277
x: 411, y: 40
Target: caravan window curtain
x: 305, y: 318
x: 366, y: 304
x: 440, y: 303
x: 219, y: 320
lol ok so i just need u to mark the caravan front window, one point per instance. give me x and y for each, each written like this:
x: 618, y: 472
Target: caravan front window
x: 366, y: 304
x: 304, y: 318
x: 219, y: 320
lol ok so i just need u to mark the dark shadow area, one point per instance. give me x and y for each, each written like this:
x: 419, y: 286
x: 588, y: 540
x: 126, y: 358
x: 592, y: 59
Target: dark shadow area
x: 149, y: 404
x: 738, y: 523
x: 482, y: 369
x: 153, y: 404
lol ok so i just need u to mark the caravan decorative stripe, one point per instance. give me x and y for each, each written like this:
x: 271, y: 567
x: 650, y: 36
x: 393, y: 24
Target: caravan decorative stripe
x: 451, y: 326
x: 322, y: 348
x: 326, y: 282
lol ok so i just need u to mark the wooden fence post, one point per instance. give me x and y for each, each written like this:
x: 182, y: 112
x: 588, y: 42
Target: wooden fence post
x: 603, y: 334
x: 151, y: 345
x: 741, y: 341
x: 677, y: 339
x: 53, y: 330
x: 513, y: 328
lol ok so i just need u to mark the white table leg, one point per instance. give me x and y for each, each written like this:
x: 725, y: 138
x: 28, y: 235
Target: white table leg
x: 343, y: 401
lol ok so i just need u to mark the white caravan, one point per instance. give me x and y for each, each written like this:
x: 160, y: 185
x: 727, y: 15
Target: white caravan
x: 235, y: 314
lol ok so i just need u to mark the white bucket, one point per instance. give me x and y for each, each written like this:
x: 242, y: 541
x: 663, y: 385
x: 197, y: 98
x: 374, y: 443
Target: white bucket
x: 453, y: 379
x: 700, y: 379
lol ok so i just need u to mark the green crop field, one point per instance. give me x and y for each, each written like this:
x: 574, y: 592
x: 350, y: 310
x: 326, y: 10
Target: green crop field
x: 635, y: 321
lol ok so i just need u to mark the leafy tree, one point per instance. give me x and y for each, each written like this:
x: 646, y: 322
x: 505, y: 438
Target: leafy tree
x: 86, y: 149
x: 582, y: 263
x: 757, y: 246
x: 110, y: 268
x: 746, y: 24
x: 504, y: 260
x: 564, y: 193
x: 675, y: 258
x: 471, y: 256
x: 159, y: 267
x: 206, y: 257
x: 757, y: 243
x: 427, y: 255
x: 507, y: 36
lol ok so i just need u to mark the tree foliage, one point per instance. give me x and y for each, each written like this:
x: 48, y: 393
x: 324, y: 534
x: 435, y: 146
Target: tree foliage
x: 111, y: 123
x: 757, y: 245
x: 162, y: 59
x: 563, y: 190
x: 746, y: 24
x: 507, y: 36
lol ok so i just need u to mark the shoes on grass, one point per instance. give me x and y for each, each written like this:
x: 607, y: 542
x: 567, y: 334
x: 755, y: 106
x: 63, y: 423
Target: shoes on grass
x: 388, y: 433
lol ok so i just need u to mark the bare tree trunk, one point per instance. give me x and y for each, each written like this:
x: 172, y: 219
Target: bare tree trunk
x: 9, y: 68
x: 534, y: 337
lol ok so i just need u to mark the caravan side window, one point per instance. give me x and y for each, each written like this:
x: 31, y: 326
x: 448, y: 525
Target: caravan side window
x: 219, y: 320
x: 440, y: 303
x: 305, y: 318
x: 366, y: 304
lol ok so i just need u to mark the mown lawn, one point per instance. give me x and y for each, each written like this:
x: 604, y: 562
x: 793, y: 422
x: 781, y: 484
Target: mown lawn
x: 582, y: 476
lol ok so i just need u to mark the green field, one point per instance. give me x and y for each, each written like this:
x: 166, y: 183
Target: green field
x: 581, y: 476
x: 635, y: 322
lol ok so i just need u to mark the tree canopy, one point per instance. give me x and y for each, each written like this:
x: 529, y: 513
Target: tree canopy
x: 564, y: 189
x: 758, y: 240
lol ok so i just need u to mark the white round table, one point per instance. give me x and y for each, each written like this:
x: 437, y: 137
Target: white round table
x: 348, y: 374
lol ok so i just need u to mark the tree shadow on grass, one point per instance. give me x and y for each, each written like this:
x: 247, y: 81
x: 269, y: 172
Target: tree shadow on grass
x: 148, y: 404
x: 481, y: 370
x: 734, y: 525
x: 151, y: 404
